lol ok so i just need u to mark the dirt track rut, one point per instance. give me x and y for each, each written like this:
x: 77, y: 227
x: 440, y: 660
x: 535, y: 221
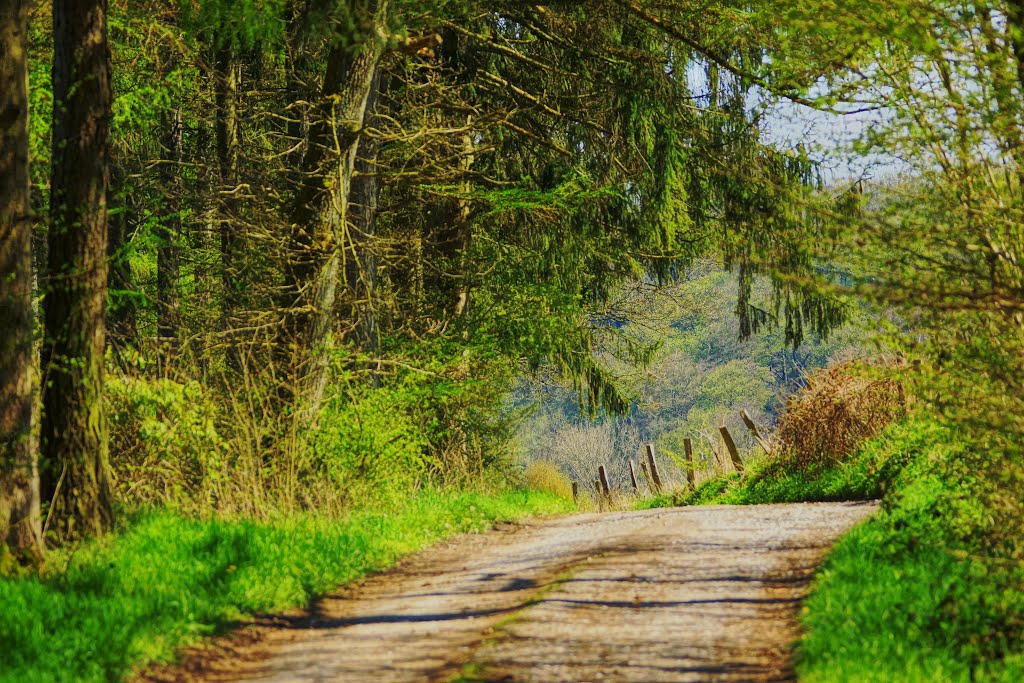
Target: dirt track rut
x: 690, y: 594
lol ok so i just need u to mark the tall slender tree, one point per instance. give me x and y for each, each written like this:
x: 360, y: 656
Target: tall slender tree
x: 360, y: 264
x: 168, y: 270
x: 19, y: 485
x: 227, y: 78
x: 320, y: 206
x: 75, y: 463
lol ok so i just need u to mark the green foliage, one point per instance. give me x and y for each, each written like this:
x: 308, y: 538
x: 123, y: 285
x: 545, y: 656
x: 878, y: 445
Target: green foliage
x: 237, y: 25
x: 170, y: 448
x: 164, y: 581
x: 373, y: 445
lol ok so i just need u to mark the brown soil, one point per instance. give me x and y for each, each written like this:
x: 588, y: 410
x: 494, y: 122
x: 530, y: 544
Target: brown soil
x: 690, y: 594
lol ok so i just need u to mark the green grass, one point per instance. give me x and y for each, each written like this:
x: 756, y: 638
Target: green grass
x: 166, y: 581
x: 913, y: 594
x: 866, y: 475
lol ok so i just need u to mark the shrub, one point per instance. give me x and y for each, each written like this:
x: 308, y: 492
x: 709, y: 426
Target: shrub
x: 164, y: 439
x: 370, y: 446
x: 542, y: 475
x: 837, y: 411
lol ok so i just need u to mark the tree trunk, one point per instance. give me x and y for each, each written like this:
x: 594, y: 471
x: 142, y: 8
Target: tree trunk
x: 449, y: 229
x: 318, y: 214
x: 122, y: 323
x: 19, y: 484
x: 464, y: 224
x: 168, y: 253
x: 227, y: 80
x: 75, y: 461
x: 361, y: 264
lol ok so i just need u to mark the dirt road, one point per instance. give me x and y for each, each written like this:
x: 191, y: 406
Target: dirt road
x: 692, y: 594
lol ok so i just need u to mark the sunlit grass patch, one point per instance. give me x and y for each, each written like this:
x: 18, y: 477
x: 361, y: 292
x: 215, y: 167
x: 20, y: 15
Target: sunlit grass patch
x: 905, y: 597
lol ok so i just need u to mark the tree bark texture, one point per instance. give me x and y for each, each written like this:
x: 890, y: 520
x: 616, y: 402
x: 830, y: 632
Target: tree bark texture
x: 19, y: 484
x: 319, y: 230
x: 75, y: 462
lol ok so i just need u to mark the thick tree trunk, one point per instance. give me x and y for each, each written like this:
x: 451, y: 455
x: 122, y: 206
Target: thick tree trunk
x: 75, y: 462
x: 168, y: 253
x: 19, y: 483
x: 318, y: 213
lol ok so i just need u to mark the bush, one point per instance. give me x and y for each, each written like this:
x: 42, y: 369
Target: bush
x: 542, y: 475
x: 370, y: 446
x: 836, y: 412
x: 164, y: 439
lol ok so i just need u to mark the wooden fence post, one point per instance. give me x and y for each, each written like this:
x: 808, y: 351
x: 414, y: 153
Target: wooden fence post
x: 632, y: 477
x: 745, y: 416
x: 597, y: 494
x: 730, y: 445
x: 655, y: 476
x: 575, y: 493
x: 688, y: 448
x: 602, y: 475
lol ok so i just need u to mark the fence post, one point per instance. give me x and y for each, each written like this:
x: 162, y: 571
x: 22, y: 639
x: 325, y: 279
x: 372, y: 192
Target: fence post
x: 632, y: 477
x: 597, y: 492
x: 575, y: 494
x: 745, y: 416
x: 730, y: 445
x: 655, y: 476
x: 688, y: 448
x: 602, y: 475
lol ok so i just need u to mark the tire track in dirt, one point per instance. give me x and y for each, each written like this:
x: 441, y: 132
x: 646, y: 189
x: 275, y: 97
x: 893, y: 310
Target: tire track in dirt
x: 685, y: 594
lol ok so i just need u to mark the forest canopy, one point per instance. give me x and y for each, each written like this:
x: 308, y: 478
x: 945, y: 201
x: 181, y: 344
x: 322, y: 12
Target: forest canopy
x: 294, y: 254
x: 317, y: 229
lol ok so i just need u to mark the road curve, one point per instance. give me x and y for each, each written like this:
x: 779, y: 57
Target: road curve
x: 684, y: 594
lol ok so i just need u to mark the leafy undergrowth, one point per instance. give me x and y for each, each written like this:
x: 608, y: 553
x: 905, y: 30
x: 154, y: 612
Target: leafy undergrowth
x: 920, y: 592
x: 165, y: 581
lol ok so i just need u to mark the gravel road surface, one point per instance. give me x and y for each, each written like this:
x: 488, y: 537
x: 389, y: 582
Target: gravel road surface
x: 687, y: 594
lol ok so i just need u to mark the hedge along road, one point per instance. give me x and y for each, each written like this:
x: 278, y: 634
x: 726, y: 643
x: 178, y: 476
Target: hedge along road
x: 686, y: 594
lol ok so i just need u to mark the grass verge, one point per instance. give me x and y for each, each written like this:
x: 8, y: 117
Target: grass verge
x: 919, y: 593
x: 165, y: 581
x: 875, y: 468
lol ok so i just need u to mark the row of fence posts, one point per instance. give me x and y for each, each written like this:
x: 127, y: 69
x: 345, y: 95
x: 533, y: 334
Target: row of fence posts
x: 649, y: 465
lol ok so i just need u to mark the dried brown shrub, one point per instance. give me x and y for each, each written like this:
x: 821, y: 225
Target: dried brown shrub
x: 839, y: 409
